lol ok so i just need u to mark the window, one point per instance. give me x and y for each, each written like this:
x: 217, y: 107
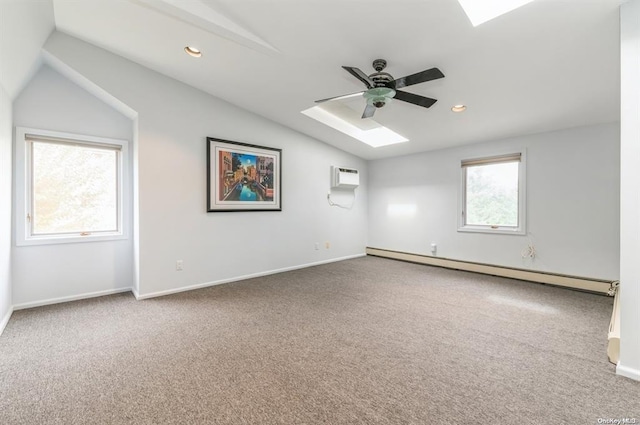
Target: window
x: 70, y: 187
x: 493, y: 194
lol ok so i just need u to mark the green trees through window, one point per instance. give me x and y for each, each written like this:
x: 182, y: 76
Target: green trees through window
x: 492, y: 194
x: 74, y: 188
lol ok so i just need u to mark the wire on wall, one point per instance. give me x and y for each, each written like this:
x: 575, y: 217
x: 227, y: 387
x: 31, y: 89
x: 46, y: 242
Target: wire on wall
x: 530, y: 250
x: 335, y: 204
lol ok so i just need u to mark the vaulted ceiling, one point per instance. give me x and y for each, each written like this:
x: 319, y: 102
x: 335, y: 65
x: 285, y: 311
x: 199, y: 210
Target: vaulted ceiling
x: 548, y: 65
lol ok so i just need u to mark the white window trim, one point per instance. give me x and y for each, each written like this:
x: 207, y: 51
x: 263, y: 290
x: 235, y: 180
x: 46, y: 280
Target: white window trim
x: 23, y: 198
x: 522, y: 197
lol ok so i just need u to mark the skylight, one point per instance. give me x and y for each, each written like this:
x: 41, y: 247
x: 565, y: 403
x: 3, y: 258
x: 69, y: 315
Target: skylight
x: 481, y: 11
x: 348, y: 121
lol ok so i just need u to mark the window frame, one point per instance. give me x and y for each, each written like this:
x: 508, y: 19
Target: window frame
x: 522, y: 195
x: 24, y: 189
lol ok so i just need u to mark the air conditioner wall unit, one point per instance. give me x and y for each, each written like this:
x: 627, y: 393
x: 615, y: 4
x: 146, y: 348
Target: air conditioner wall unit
x: 345, y: 178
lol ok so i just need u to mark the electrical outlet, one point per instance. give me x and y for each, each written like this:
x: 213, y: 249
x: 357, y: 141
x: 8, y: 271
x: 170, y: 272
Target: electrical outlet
x: 179, y: 265
x: 317, y: 246
x: 434, y: 248
x: 327, y: 245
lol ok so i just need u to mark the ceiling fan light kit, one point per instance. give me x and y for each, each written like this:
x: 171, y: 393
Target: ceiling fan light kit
x: 379, y: 96
x: 382, y: 87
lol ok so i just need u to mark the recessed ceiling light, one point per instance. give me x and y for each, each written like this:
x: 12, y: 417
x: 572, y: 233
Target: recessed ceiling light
x: 458, y: 108
x: 192, y: 51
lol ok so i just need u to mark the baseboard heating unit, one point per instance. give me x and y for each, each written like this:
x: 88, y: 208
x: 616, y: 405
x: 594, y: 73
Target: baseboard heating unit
x: 581, y: 283
x: 613, y: 348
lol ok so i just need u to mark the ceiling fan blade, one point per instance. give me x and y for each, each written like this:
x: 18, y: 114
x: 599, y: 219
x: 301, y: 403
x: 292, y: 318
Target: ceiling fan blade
x: 414, y: 98
x: 344, y: 96
x: 360, y: 76
x: 419, y: 77
x: 369, y: 111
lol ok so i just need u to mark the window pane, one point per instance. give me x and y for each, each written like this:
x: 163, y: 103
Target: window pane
x: 492, y: 195
x: 74, y: 189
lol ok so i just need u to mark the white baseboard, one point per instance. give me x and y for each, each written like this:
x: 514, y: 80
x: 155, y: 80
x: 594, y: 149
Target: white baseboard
x: 70, y: 298
x: 139, y: 296
x: 576, y: 282
x: 5, y: 320
x: 628, y: 372
x: 244, y: 277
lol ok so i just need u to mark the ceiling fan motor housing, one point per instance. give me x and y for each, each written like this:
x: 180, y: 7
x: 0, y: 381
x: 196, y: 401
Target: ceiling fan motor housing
x: 379, y: 78
x: 382, y: 79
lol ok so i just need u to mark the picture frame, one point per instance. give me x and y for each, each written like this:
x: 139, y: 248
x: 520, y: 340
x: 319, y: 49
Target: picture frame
x: 243, y: 177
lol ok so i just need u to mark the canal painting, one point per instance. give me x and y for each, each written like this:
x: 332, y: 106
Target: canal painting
x: 242, y: 177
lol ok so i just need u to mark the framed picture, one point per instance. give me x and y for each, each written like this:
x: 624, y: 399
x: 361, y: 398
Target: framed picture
x: 242, y: 177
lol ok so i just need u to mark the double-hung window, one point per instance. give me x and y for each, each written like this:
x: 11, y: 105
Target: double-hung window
x: 493, y: 194
x: 70, y: 188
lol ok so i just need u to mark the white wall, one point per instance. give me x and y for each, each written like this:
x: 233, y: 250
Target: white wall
x: 572, y: 203
x: 24, y: 26
x: 629, y: 364
x: 173, y: 123
x: 5, y: 207
x: 46, y: 272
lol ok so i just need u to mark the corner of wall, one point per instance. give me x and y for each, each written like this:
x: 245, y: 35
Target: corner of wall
x: 629, y: 364
x: 6, y: 178
x: 5, y: 320
x: 135, y: 234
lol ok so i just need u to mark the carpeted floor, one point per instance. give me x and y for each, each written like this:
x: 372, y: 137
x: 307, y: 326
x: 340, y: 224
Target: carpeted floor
x: 363, y: 341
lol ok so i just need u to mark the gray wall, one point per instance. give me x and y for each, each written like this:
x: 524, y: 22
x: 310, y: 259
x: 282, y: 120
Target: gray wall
x: 572, y: 203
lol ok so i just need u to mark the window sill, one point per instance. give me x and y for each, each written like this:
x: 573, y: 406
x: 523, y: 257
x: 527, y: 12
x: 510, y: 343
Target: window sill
x: 55, y: 240
x: 487, y: 229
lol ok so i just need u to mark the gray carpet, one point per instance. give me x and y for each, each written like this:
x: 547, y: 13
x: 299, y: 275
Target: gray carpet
x: 364, y: 341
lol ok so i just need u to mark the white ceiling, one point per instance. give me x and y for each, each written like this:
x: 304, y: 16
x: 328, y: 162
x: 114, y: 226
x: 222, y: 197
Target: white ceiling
x: 24, y: 27
x: 549, y: 65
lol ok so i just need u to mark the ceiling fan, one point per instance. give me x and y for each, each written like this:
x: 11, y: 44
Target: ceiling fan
x: 382, y: 87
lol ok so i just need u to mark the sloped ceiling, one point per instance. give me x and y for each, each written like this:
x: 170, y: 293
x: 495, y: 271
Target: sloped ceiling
x: 549, y: 65
x: 24, y: 27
